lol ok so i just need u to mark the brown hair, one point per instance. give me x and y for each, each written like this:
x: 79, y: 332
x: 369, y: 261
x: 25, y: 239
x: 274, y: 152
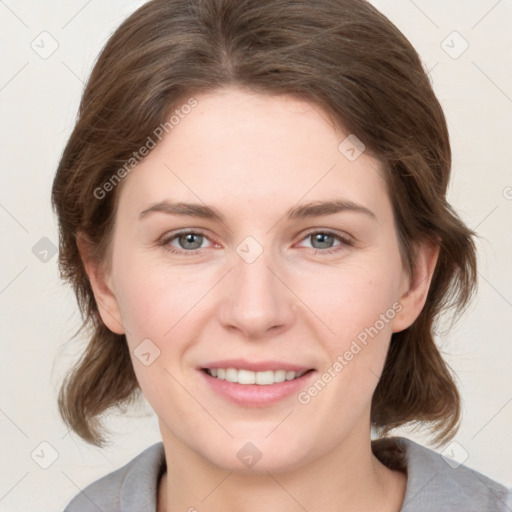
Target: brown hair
x: 342, y: 55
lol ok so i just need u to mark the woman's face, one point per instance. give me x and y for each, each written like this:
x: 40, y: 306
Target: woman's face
x: 291, y: 264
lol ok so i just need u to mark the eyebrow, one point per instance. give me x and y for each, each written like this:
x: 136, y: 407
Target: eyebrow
x: 312, y: 209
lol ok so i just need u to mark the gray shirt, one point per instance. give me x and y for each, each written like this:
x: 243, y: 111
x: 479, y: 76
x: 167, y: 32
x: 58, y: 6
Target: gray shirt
x: 433, y: 482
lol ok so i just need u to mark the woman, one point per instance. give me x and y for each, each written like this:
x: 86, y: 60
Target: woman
x: 252, y: 211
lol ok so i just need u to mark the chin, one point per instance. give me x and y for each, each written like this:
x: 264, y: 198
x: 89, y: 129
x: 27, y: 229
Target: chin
x: 257, y: 455
x: 249, y: 460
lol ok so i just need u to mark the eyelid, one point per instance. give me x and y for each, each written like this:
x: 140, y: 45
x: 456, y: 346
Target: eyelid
x: 344, y: 237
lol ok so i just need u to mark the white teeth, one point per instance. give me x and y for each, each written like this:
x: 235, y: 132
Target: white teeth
x: 280, y: 376
x: 246, y: 377
x: 231, y: 375
x: 265, y: 378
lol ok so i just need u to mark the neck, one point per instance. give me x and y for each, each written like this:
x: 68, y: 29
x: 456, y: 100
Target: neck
x: 349, y: 477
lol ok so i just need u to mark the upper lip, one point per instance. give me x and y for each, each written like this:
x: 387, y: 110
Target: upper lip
x: 256, y: 366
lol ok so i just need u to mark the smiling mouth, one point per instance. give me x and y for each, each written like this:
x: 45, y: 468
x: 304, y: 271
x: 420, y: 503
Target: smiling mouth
x: 247, y: 377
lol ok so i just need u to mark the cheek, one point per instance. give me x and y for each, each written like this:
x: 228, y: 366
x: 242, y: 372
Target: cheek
x: 358, y: 304
x: 155, y: 300
x: 353, y: 297
x: 154, y: 310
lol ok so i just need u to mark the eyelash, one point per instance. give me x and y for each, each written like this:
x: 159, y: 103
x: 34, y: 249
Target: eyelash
x: 166, y: 240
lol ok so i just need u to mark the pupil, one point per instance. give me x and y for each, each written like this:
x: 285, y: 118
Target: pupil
x: 189, y: 238
x: 323, y: 238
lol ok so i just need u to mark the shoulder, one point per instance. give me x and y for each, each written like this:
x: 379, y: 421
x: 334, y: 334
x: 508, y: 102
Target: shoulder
x: 130, y: 488
x: 436, y: 482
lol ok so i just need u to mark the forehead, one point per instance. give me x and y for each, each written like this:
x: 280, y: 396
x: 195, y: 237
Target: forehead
x: 237, y: 146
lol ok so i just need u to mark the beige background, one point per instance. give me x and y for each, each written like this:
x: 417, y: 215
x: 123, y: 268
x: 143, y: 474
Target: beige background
x: 38, y: 103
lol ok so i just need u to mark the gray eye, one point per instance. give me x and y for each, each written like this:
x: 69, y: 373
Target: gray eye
x: 325, y: 240
x: 190, y: 241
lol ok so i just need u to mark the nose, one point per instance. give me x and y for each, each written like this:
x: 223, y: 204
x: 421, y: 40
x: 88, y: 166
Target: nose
x: 257, y: 301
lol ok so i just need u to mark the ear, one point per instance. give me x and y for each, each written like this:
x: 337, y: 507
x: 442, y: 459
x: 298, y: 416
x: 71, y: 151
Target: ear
x: 101, y: 283
x: 414, y: 290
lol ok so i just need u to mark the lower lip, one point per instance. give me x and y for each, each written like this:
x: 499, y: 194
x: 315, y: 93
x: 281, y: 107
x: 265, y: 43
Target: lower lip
x: 255, y: 395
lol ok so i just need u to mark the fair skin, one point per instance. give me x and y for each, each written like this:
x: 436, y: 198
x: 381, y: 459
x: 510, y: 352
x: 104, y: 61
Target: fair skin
x: 252, y: 158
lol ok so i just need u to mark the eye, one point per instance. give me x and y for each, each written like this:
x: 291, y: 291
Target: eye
x: 191, y: 242
x: 187, y: 242
x: 325, y: 241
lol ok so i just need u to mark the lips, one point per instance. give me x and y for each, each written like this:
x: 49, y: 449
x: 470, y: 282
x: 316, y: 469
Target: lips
x: 255, y: 384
